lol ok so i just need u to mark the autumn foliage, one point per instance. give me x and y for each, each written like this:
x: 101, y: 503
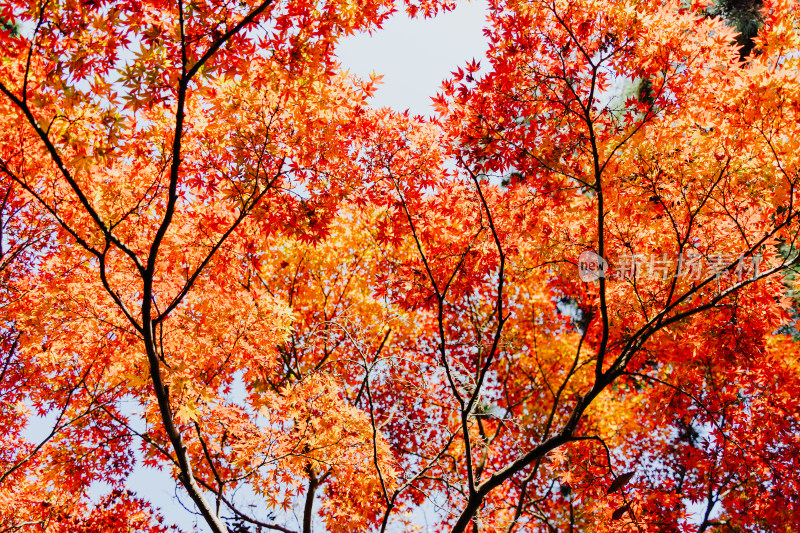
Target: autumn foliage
x: 219, y: 261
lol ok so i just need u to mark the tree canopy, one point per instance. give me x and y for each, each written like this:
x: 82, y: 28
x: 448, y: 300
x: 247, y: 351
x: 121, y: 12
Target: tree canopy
x: 563, y: 303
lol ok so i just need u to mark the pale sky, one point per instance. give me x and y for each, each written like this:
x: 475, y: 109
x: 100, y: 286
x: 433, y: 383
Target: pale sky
x: 415, y: 55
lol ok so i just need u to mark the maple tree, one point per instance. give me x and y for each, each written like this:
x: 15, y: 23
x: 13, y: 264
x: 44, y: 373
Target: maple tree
x: 216, y: 255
